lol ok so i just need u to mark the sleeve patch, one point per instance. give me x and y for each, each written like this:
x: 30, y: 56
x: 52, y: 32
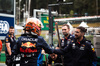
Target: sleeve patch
x: 6, y: 39
x: 92, y: 48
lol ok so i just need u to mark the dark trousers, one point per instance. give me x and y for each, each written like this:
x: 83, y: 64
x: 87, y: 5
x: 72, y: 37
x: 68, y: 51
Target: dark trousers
x: 8, y: 61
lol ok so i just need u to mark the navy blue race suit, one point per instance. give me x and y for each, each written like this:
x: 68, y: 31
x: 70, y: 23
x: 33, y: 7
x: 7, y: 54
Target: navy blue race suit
x: 82, y: 53
x: 64, y: 43
x: 29, y: 48
x: 12, y: 41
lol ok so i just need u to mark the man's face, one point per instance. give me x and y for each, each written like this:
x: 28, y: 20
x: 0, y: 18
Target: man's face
x: 11, y: 31
x: 78, y: 34
x: 65, y: 30
x: 53, y: 56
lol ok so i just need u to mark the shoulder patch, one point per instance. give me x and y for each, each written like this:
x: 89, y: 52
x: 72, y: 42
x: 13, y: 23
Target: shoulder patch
x: 70, y: 36
x: 72, y: 40
x: 9, y: 36
x: 88, y: 42
x: 92, y: 48
x: 6, y: 39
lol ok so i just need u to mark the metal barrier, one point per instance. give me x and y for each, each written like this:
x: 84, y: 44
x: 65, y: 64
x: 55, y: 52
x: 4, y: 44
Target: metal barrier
x: 96, y: 40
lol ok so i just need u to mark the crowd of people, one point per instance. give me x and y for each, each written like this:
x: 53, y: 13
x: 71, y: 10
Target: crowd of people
x: 73, y: 50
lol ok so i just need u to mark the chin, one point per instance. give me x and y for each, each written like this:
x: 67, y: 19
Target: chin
x: 76, y: 37
x: 54, y: 59
x: 12, y: 34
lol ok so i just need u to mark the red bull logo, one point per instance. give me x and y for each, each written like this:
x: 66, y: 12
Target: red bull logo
x: 29, y: 44
x: 28, y: 50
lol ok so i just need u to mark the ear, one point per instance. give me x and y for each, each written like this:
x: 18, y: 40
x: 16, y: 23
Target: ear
x: 69, y: 29
x: 83, y: 33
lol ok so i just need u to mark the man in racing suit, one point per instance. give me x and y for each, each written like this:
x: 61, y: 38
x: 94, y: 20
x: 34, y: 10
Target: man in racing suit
x: 30, y: 43
x: 64, y: 41
x: 10, y: 41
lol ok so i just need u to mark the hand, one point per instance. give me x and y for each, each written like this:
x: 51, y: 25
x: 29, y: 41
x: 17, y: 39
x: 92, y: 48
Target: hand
x: 57, y: 48
x: 9, y: 60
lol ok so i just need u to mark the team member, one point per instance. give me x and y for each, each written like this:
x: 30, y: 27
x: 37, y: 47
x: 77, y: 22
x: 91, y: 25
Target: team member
x: 54, y: 60
x: 29, y: 45
x: 64, y: 41
x: 67, y: 36
x: 10, y: 42
x: 81, y: 50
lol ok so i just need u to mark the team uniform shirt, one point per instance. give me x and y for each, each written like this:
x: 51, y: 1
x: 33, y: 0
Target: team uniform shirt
x: 82, y: 53
x: 65, y: 41
x: 11, y: 40
x: 29, y: 49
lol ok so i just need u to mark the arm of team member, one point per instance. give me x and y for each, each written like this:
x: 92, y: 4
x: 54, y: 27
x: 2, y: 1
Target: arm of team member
x: 16, y: 48
x: 93, y: 56
x: 7, y: 42
x: 63, y: 51
x: 44, y: 45
x: 8, y: 48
